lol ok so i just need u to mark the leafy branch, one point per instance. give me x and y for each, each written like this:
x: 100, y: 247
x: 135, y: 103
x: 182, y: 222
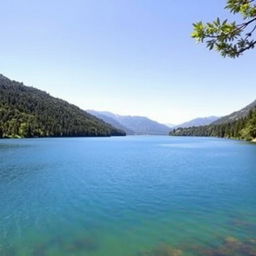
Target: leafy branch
x: 229, y: 38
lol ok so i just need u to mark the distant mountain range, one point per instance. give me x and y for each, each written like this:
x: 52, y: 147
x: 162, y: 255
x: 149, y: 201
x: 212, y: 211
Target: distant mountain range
x: 132, y: 125
x: 29, y: 112
x: 110, y: 118
x: 197, y: 122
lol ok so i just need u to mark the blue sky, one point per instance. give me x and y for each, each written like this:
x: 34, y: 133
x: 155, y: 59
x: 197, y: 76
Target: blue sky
x: 126, y: 56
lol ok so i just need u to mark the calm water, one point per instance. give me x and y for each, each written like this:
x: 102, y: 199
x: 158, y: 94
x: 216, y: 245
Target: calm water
x: 133, y: 196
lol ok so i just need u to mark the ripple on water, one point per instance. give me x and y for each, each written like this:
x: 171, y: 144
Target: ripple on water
x: 105, y: 197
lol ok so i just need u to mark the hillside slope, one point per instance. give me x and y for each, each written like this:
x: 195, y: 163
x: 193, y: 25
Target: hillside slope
x: 242, y: 127
x: 29, y: 112
x: 236, y: 115
x: 198, y: 122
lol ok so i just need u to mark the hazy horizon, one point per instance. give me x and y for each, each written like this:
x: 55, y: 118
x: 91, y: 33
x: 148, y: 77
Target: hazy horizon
x: 126, y: 57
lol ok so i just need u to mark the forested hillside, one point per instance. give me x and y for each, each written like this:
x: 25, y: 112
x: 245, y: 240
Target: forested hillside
x: 243, y: 128
x: 29, y: 112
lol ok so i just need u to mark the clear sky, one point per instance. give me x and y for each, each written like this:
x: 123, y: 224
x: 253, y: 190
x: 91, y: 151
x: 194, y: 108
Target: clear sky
x: 126, y: 56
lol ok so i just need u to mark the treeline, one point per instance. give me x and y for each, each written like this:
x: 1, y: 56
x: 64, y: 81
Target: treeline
x: 244, y: 128
x: 29, y: 112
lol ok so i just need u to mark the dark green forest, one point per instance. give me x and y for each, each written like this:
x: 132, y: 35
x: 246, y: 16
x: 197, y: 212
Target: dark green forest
x: 27, y: 112
x: 243, y: 128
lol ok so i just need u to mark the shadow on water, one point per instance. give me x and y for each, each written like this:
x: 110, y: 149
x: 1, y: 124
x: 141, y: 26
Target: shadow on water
x: 84, y: 244
x: 162, y: 250
x: 76, y: 246
x: 43, y: 248
x: 240, y: 223
x: 229, y: 247
x: 40, y: 250
x: 9, y: 251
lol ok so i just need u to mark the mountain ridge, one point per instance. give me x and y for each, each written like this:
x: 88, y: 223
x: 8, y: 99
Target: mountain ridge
x: 106, y: 117
x: 135, y: 125
x: 26, y: 111
x: 199, y: 121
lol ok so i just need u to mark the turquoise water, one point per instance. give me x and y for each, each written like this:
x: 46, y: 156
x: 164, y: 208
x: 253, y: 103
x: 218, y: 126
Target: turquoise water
x: 132, y: 196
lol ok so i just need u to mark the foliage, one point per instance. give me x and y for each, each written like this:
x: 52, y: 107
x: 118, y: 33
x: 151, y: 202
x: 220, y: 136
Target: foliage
x: 243, y: 128
x: 29, y: 112
x: 230, y: 38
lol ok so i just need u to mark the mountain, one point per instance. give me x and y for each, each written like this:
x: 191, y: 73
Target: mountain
x: 111, y: 119
x: 138, y: 125
x: 29, y: 112
x: 236, y: 115
x: 143, y: 125
x: 239, y: 125
x: 198, y: 122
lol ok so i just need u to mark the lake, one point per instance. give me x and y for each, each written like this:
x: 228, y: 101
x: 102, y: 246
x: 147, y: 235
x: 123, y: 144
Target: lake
x: 127, y: 196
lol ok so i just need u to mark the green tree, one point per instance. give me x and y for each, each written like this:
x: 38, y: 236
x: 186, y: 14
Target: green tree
x: 230, y: 38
